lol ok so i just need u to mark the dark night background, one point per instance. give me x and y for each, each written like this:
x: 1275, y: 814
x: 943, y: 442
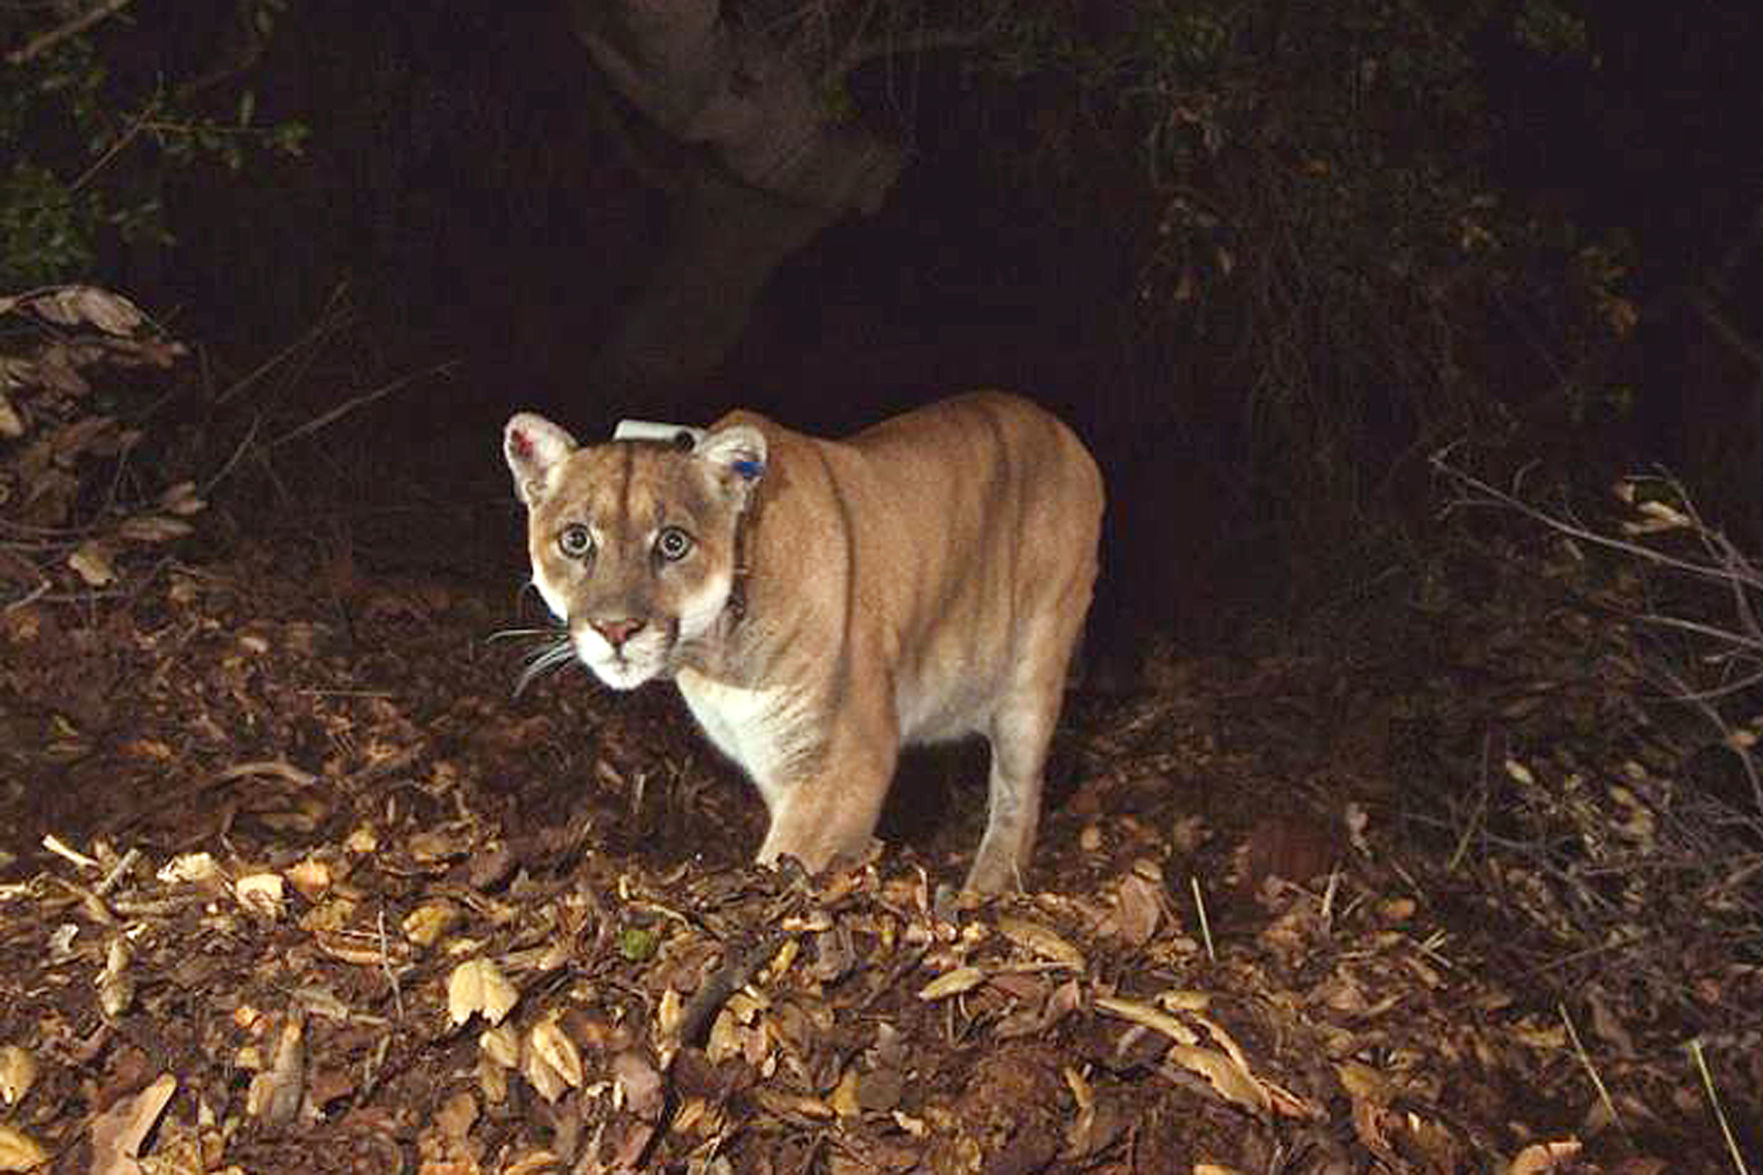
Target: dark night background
x: 1262, y: 318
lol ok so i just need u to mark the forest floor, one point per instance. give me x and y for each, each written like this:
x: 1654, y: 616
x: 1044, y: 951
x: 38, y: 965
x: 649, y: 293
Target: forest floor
x: 292, y: 881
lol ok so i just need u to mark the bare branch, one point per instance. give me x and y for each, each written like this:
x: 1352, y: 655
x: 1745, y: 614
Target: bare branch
x: 1496, y: 497
x: 50, y: 38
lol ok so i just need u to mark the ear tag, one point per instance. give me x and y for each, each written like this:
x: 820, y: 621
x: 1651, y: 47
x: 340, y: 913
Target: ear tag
x: 655, y: 430
x: 747, y: 469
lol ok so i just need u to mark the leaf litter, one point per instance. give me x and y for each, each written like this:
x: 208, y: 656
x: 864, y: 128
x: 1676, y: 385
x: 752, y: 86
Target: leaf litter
x: 281, y: 892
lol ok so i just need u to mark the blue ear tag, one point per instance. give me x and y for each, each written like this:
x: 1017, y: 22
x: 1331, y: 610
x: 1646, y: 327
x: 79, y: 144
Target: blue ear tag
x: 748, y: 469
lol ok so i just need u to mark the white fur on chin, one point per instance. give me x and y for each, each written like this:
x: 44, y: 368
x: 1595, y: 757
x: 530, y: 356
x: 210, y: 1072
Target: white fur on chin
x: 641, y: 659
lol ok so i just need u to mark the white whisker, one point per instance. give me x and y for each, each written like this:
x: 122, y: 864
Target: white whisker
x: 553, y: 651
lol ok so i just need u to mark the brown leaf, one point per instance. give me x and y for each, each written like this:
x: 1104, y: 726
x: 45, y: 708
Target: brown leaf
x: 153, y: 528
x: 640, y: 1083
x: 92, y: 560
x: 18, y: 1072
x: 1224, y: 1075
x: 275, y: 1094
x: 952, y: 982
x: 456, y: 1115
x: 478, y: 986
x: 1137, y: 910
x: 551, y: 1061
x: 1040, y: 940
x: 118, y: 1132
x: 18, y: 1151
x: 182, y: 499
x: 1540, y: 1157
x: 79, y: 305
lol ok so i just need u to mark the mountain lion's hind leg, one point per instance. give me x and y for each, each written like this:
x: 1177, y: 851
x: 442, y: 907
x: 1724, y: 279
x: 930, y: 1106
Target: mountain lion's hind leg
x: 1020, y: 732
x: 1021, y: 729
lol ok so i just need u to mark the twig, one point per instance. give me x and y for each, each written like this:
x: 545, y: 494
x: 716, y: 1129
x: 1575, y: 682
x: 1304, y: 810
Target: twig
x: 1591, y: 1069
x: 1718, y: 721
x: 695, y: 1021
x: 1570, y: 529
x: 30, y: 597
x: 391, y: 972
x: 110, y: 152
x: 279, y: 768
x: 1481, y: 806
x: 330, y: 319
x: 116, y: 875
x: 726, y: 981
x: 47, y: 40
x: 1732, y: 1146
x: 1205, y: 926
x: 61, y: 849
x: 343, y: 409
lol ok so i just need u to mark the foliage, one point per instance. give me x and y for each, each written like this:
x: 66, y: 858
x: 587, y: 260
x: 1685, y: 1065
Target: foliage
x: 91, y: 149
x: 1318, y: 215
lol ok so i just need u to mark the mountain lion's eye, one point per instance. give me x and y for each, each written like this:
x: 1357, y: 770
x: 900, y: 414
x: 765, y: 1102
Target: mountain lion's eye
x: 575, y: 541
x: 672, y: 544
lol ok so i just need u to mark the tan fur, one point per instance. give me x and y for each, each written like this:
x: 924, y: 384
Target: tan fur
x: 921, y: 581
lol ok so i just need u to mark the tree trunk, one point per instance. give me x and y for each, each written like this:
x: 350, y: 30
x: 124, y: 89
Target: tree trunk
x: 768, y: 168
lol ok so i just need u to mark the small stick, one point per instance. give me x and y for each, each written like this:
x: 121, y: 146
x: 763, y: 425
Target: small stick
x: 1732, y: 1146
x: 1205, y: 927
x: 1591, y: 1070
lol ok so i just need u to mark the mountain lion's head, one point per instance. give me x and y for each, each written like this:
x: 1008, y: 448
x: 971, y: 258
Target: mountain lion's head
x: 633, y: 543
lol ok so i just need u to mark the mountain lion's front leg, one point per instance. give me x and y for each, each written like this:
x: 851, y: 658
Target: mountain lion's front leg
x: 827, y: 811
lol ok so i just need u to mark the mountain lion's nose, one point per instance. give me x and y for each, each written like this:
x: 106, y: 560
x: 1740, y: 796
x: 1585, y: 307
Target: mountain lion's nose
x: 617, y: 632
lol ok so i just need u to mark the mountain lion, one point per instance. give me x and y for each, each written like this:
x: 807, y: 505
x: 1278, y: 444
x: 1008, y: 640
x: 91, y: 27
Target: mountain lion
x: 822, y: 602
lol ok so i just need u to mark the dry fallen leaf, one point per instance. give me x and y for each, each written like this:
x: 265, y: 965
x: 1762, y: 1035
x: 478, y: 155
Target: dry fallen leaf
x: 275, y: 1094
x: 536, y: 1163
x: 91, y: 559
x: 18, y: 1072
x: 187, y: 867
x: 11, y: 423
x: 457, y: 1115
x: 843, y: 1098
x: 1224, y: 1075
x: 639, y: 1085
x: 1040, y: 940
x: 952, y: 982
x: 153, y: 528
x: 1137, y: 909
x: 18, y: 1151
x: 1543, y: 1156
x: 182, y: 499
x: 551, y: 1062
x: 261, y: 893
x: 1149, y: 1017
x: 117, y: 1133
x: 425, y: 925
x: 478, y: 985
x: 310, y: 877
x: 501, y: 1044
x: 79, y: 305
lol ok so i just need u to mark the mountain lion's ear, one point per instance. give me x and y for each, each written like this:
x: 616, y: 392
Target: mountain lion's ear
x: 533, y: 445
x: 738, y: 454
